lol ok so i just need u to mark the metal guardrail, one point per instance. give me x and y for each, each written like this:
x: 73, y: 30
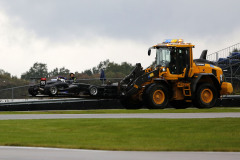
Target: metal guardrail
x: 223, y: 53
x: 43, y: 101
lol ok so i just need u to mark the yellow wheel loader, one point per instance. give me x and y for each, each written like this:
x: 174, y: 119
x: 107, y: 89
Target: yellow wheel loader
x: 174, y: 80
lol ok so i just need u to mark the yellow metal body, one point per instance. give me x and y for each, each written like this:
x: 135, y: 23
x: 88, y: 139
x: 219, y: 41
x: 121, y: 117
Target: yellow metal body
x: 226, y: 88
x: 181, y: 90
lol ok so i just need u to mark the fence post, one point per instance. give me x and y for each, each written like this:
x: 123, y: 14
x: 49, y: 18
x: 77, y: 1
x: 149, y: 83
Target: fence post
x: 230, y: 65
x: 12, y: 94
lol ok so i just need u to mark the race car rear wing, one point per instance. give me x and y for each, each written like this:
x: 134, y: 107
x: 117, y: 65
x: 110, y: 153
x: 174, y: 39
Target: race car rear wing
x: 43, y: 81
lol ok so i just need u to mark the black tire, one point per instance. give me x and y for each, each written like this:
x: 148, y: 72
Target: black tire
x: 180, y: 104
x: 129, y: 103
x: 93, y: 91
x: 53, y: 90
x: 218, y: 103
x: 156, y: 96
x: 76, y: 93
x: 205, y: 97
x: 32, y: 91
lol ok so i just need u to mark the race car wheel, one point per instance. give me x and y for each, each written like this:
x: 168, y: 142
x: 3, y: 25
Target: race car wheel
x: 93, y: 90
x: 53, y: 90
x: 33, y: 91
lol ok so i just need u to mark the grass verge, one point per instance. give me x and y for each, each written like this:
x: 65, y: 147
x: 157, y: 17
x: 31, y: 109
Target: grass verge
x: 109, y: 111
x: 220, y: 134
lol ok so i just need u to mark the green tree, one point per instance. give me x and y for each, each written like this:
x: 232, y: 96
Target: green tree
x: 103, y: 64
x: 88, y: 72
x: 115, y: 70
x: 3, y: 73
x: 56, y: 72
x: 63, y: 71
x: 53, y: 73
x: 8, y: 81
x: 38, y: 70
x: 95, y: 70
x: 235, y: 50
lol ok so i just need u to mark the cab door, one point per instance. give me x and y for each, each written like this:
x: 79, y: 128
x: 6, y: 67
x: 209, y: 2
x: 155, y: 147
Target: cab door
x: 179, y: 63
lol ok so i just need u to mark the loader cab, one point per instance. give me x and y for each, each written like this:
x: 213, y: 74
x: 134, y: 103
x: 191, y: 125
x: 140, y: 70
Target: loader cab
x: 174, y: 58
x: 174, y: 55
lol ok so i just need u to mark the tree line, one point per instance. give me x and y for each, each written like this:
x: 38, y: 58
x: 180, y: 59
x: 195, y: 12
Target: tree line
x: 112, y: 70
x: 38, y: 70
x: 6, y: 80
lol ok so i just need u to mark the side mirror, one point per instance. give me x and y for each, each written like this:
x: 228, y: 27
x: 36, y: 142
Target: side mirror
x: 149, y: 52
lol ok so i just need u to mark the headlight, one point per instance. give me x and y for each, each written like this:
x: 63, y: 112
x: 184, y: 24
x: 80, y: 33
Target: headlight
x: 164, y: 69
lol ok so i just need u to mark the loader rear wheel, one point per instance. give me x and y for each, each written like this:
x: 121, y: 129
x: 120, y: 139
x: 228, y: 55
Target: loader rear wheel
x: 129, y: 103
x: 157, y: 97
x: 206, y: 96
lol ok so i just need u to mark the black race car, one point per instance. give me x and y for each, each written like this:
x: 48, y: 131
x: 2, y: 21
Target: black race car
x: 61, y: 86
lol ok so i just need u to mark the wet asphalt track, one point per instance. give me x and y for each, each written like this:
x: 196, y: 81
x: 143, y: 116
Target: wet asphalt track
x: 29, y: 153
x: 137, y: 115
x: 33, y: 153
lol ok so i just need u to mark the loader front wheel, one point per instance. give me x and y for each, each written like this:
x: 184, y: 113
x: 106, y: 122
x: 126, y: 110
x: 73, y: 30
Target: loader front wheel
x: 157, y: 97
x: 206, y: 96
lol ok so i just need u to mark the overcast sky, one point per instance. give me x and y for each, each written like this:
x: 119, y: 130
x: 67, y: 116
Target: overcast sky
x: 78, y: 34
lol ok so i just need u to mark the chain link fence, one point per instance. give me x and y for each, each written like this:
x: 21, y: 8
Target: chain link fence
x: 14, y: 92
x: 229, y: 60
x: 235, y: 83
x: 223, y: 53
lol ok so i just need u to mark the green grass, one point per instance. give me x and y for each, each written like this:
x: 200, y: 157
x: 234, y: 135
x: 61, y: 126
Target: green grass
x: 221, y: 134
x: 109, y: 111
